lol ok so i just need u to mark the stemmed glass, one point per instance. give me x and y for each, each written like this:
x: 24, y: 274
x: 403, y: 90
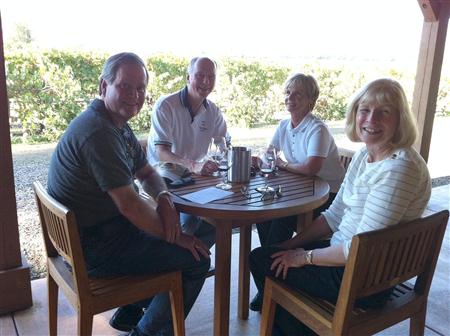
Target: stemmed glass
x: 217, y: 149
x: 224, y: 164
x: 268, y: 165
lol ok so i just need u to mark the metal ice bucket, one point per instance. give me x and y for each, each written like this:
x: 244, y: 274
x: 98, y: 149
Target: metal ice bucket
x: 241, y: 160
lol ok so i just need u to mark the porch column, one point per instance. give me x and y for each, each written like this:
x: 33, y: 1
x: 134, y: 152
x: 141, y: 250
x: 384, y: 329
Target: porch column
x: 434, y: 32
x: 15, y: 285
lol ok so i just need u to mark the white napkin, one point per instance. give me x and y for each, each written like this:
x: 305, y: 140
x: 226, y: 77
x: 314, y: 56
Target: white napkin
x: 207, y: 195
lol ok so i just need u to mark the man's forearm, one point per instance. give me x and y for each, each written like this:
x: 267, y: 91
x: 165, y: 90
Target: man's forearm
x: 145, y: 218
x: 153, y: 184
x: 137, y: 210
x: 171, y: 157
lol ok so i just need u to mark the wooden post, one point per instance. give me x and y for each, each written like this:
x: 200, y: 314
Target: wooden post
x: 434, y: 32
x: 15, y: 285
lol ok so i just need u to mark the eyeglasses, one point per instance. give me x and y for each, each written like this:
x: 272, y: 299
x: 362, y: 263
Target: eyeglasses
x: 268, y: 195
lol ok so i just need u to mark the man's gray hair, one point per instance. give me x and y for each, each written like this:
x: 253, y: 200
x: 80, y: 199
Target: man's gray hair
x: 193, y: 61
x: 113, y: 64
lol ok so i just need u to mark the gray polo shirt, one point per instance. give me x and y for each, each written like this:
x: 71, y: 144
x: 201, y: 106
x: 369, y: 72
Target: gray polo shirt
x: 92, y: 157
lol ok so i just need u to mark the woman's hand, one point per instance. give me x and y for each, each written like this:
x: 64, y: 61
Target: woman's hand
x: 194, y: 245
x: 281, y: 164
x: 282, y: 260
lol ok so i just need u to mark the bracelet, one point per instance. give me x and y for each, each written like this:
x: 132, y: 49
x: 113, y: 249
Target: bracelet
x: 161, y: 193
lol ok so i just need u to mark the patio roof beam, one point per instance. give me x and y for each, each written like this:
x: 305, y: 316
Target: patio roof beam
x: 430, y: 9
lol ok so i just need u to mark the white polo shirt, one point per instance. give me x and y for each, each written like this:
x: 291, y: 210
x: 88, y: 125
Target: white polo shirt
x: 310, y: 138
x: 173, y: 125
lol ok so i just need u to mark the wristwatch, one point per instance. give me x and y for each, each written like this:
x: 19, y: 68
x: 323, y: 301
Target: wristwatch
x: 309, y: 257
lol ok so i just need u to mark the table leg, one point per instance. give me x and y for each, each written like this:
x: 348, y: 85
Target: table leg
x: 222, y: 279
x: 245, y: 244
x: 304, y: 220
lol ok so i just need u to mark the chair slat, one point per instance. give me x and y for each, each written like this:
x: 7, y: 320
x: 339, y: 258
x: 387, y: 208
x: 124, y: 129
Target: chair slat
x: 409, y: 255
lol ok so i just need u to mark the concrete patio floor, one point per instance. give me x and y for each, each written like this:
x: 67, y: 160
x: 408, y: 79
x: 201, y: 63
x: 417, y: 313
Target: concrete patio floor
x: 34, y: 321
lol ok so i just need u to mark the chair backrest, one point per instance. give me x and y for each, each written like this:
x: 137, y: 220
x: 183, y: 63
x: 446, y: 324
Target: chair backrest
x: 61, y: 237
x: 389, y: 257
x: 345, y: 156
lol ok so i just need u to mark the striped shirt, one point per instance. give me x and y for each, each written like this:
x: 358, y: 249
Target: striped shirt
x: 378, y: 194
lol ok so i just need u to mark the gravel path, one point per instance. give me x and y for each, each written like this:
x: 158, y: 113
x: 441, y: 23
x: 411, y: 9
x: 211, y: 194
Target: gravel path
x: 30, y: 164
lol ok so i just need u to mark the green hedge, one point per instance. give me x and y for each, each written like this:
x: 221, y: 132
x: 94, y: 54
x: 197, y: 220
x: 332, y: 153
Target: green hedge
x: 48, y: 89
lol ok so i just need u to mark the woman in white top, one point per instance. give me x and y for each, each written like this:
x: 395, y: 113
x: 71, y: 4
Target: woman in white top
x: 387, y: 183
x: 308, y: 148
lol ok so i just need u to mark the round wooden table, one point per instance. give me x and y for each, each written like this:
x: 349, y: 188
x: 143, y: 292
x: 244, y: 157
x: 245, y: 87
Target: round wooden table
x: 300, y: 195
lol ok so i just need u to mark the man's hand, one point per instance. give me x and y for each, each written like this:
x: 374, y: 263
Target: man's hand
x: 209, y: 167
x: 169, y: 217
x: 256, y: 162
x: 205, y: 168
x: 194, y: 245
x: 282, y: 260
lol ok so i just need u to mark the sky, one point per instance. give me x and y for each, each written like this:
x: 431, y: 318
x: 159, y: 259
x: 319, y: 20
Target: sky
x: 367, y: 29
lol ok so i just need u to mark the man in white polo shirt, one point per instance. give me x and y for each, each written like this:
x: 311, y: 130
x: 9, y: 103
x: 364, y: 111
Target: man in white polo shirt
x: 184, y: 124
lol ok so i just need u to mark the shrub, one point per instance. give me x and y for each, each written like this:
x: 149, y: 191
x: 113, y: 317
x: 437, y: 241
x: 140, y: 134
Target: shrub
x: 48, y: 89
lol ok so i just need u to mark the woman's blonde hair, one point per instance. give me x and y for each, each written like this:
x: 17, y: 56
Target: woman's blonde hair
x: 385, y: 91
x: 308, y: 83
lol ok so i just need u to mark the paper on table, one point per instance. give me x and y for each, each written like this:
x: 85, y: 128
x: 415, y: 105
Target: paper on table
x: 207, y: 195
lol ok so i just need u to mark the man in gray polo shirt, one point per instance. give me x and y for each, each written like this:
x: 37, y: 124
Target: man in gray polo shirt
x: 92, y: 171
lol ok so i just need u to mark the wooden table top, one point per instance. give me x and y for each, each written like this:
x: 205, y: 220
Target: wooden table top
x: 299, y: 194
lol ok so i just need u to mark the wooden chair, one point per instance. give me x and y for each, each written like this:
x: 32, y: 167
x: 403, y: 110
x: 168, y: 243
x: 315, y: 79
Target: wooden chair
x: 345, y: 156
x: 378, y: 260
x: 90, y: 296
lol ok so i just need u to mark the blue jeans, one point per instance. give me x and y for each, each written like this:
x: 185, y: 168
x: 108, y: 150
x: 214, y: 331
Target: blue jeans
x: 194, y: 225
x: 120, y: 248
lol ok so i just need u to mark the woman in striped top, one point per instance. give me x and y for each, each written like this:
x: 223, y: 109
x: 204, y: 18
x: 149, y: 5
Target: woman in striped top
x: 387, y: 183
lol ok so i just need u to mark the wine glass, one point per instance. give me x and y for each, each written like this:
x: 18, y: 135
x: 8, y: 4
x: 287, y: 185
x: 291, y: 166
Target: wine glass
x: 215, y: 154
x: 269, y: 161
x: 224, y: 165
x: 268, y: 165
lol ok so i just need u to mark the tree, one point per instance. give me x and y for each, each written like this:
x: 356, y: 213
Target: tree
x: 21, y: 40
